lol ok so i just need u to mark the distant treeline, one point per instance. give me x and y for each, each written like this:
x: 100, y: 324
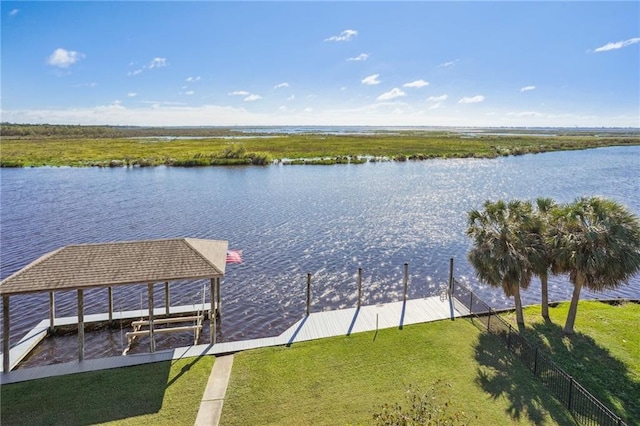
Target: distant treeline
x: 82, y: 131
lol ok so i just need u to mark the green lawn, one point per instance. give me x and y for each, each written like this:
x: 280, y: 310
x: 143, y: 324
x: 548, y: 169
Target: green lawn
x: 345, y: 380
x: 162, y: 393
x: 604, y: 353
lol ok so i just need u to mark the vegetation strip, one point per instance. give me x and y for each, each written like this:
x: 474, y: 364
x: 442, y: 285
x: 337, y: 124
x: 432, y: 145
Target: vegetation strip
x: 24, y: 146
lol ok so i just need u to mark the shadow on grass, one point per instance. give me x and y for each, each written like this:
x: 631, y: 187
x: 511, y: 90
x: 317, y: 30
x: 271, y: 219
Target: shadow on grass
x: 87, y: 398
x: 593, y: 366
x: 501, y: 375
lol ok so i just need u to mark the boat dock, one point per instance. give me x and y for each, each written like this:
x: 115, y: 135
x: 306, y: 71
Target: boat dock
x: 316, y: 325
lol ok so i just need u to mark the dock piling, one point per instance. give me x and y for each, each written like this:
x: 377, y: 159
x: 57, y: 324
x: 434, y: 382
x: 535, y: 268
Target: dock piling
x: 152, y: 340
x: 359, y: 287
x: 80, y: 325
x: 405, y: 281
x: 52, y: 311
x: 308, y: 294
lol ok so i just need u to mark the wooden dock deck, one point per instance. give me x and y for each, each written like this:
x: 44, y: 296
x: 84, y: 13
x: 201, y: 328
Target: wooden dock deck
x: 317, y: 325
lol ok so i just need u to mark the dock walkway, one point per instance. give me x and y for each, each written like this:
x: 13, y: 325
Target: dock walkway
x: 317, y: 325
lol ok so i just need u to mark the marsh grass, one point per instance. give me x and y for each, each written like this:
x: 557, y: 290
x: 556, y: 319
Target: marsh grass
x: 52, y: 151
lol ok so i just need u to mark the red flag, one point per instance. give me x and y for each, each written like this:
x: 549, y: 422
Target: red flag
x: 234, y: 256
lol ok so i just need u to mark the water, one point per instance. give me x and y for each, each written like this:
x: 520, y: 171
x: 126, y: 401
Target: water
x: 289, y: 220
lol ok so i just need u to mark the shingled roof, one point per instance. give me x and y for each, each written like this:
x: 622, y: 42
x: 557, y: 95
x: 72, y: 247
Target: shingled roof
x: 110, y: 264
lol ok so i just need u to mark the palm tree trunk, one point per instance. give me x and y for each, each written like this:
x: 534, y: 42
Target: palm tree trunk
x: 573, y: 308
x: 545, y: 296
x: 519, y: 315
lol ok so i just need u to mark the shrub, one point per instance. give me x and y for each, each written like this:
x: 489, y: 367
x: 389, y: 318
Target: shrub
x: 424, y: 408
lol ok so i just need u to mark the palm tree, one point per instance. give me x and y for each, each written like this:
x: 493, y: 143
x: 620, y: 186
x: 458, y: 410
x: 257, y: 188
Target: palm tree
x: 597, y: 242
x: 500, y: 253
x: 542, y: 261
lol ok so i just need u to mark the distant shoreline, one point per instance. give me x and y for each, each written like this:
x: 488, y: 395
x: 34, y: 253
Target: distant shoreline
x: 108, y: 146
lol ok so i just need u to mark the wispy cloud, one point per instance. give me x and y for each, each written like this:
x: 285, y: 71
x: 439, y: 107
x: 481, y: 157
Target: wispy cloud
x: 14, y: 12
x: 189, y: 92
x: 440, y: 98
x: 471, y: 100
x: 63, y: 58
x: 132, y: 94
x: 92, y: 84
x: 292, y: 97
x: 528, y: 88
x: 239, y: 93
x: 158, y: 63
x: 280, y: 85
x: 346, y: 35
x: 417, y: 83
x: 360, y: 57
x: 617, y: 45
x: 154, y: 63
x: 193, y: 79
x: 371, y: 80
x: 449, y: 64
x: 252, y: 98
x: 391, y: 94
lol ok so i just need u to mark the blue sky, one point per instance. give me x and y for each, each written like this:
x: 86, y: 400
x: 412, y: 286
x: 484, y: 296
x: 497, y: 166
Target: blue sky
x: 322, y: 63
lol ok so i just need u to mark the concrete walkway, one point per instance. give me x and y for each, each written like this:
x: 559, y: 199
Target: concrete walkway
x: 213, y: 398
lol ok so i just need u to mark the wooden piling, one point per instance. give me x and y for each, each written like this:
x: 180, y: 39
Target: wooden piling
x: 80, y: 325
x: 405, y: 281
x: 52, y: 311
x: 152, y: 340
x: 308, y: 294
x: 218, y: 298
x: 167, y: 301
x: 212, y: 312
x: 451, y: 278
x: 6, y: 362
x: 110, y: 298
x: 359, y: 287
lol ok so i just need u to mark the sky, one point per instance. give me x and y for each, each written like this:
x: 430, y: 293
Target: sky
x: 361, y: 63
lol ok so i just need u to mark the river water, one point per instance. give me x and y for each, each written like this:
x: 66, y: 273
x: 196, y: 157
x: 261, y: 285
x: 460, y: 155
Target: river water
x: 289, y: 221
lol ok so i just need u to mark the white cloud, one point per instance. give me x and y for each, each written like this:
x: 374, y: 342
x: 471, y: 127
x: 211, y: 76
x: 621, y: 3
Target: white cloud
x: 471, y: 100
x: 252, y: 98
x: 528, y: 88
x: 448, y: 64
x: 278, y: 86
x: 292, y: 97
x: 525, y: 114
x: 14, y: 12
x: 308, y: 109
x: 239, y: 93
x: 132, y: 94
x: 283, y: 108
x: 193, y: 79
x: 360, y: 57
x: 371, y: 80
x: 136, y: 72
x: 417, y: 83
x: 189, y: 92
x: 63, y: 58
x: 346, y: 35
x: 158, y: 63
x: 617, y: 45
x: 440, y: 98
x: 436, y: 105
x: 391, y: 94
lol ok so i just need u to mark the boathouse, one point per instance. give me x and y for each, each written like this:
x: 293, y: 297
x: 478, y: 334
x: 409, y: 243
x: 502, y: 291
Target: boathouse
x: 107, y: 265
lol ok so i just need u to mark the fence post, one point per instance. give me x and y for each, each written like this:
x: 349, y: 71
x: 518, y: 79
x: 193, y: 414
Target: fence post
x: 359, y: 287
x: 406, y: 280
x: 509, y: 338
x: 570, y: 392
x: 471, y: 303
x: 451, y: 277
x: 535, y: 363
x: 308, y: 294
x: 489, y: 321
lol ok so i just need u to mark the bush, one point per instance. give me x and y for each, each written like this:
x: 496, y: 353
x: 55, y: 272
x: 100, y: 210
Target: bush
x: 424, y: 408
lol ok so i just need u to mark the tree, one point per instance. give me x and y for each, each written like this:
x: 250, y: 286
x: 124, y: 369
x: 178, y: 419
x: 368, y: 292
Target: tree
x: 503, y: 246
x: 542, y: 260
x: 596, y: 242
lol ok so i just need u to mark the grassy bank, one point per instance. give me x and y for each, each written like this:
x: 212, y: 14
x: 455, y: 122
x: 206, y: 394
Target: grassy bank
x: 162, y: 393
x: 603, y: 355
x: 344, y: 380
x: 321, y: 149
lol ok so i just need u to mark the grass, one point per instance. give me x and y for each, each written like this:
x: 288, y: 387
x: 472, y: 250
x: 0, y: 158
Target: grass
x: 151, y: 394
x: 345, y: 380
x: 604, y: 353
x: 323, y: 149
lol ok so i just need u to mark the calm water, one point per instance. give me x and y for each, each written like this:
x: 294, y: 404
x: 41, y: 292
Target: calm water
x: 289, y: 220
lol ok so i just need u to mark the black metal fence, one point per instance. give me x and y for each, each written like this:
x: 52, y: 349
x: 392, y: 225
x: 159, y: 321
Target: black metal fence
x: 586, y: 409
